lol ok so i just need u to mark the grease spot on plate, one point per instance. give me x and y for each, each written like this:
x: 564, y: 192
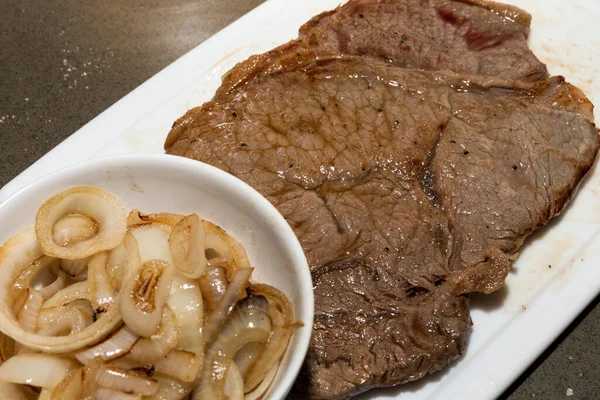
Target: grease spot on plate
x: 134, y: 186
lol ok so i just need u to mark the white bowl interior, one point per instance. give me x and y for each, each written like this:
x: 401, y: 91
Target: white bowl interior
x: 160, y: 183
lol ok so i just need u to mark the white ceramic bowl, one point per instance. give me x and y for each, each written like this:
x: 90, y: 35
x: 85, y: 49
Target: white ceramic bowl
x: 162, y: 183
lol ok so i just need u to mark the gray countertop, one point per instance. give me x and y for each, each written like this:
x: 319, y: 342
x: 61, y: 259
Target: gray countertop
x: 64, y: 62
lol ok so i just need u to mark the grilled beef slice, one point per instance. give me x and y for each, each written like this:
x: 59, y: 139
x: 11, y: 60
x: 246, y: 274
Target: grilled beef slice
x: 408, y: 189
x: 466, y: 36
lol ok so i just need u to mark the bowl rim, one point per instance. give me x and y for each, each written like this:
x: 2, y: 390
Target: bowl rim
x: 224, y: 179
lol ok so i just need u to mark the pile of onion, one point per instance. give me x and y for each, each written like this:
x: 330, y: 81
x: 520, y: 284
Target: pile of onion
x: 97, y: 304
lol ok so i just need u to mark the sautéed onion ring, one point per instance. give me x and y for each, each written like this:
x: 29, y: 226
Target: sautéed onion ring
x: 95, y: 304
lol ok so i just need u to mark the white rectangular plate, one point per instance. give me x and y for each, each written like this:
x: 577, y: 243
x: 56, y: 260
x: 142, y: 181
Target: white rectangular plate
x: 511, y: 327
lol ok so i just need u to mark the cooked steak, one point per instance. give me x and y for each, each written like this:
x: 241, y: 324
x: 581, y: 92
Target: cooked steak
x: 469, y: 36
x: 459, y: 35
x: 408, y: 189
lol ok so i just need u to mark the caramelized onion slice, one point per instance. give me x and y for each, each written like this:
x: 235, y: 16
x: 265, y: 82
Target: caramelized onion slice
x: 234, y: 383
x: 170, y: 389
x: 179, y: 364
x: 123, y: 259
x: 240, y: 258
x: 7, y: 347
x: 213, y: 285
x: 89, y: 372
x: 133, y: 258
x: 116, y: 264
x: 96, y: 204
x: 102, y: 294
x: 264, y: 385
x: 126, y: 363
x: 187, y: 246
x: 19, y: 301
x: 116, y: 346
x: 61, y: 344
x: 235, y: 291
x: 29, y: 274
x: 185, y: 300
x: 64, y: 320
x: 73, y: 228
x: 22, y: 258
x: 225, y: 248
x: 76, y: 269
x: 70, y: 388
x: 15, y: 256
x: 138, y: 218
x: 59, y: 283
x: 144, y: 296
x: 153, y: 242
x: 147, y: 350
x: 84, y: 306
x: 29, y: 314
x: 74, y: 292
x: 282, y: 317
x: 30, y: 392
x: 103, y: 393
x: 218, y: 242
x: 247, y: 356
x: 126, y: 381
x: 36, y: 369
x: 244, y: 326
x: 11, y: 391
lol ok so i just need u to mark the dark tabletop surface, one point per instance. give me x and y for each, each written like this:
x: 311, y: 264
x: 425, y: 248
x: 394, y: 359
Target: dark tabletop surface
x: 64, y: 62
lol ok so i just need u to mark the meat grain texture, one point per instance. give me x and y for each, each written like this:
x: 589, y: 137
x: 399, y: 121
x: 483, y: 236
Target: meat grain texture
x: 412, y: 145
